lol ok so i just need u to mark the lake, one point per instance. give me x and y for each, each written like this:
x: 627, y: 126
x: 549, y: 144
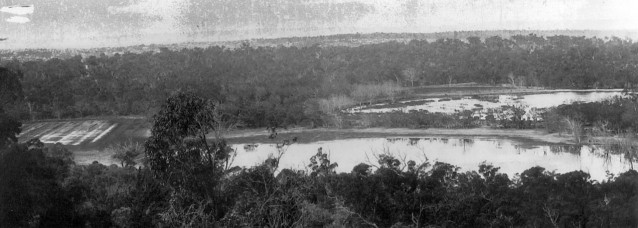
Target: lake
x: 466, y: 153
x: 491, y: 104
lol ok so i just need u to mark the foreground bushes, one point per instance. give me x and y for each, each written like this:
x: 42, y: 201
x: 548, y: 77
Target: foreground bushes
x: 386, y: 193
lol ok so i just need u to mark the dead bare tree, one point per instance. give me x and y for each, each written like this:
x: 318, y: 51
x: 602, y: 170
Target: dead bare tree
x: 576, y: 128
x: 552, y: 215
x: 410, y: 74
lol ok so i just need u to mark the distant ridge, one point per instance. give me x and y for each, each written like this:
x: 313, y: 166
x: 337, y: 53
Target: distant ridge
x: 348, y: 40
x: 361, y: 39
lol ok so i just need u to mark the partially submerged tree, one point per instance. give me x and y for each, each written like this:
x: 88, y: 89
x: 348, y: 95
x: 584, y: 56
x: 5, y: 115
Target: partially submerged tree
x: 576, y: 128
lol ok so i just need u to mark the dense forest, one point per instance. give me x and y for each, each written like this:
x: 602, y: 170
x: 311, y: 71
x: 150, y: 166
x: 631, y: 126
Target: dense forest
x: 187, y: 180
x: 281, y: 86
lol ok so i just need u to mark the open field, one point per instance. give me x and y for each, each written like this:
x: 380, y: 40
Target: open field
x: 87, y: 138
x: 80, y: 134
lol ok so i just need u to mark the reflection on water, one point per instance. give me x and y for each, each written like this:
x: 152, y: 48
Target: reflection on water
x: 466, y: 153
x: 492, y: 105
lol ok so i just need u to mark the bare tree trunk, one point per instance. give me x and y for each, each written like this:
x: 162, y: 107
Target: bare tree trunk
x: 30, y: 106
x: 449, y: 78
x: 576, y: 128
x: 552, y: 215
x: 512, y: 79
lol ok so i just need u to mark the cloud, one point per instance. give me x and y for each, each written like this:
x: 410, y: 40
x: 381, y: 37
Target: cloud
x: 18, y: 9
x: 18, y: 19
x: 89, y: 23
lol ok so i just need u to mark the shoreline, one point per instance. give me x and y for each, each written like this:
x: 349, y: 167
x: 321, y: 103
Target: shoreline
x: 523, y: 91
x: 523, y: 136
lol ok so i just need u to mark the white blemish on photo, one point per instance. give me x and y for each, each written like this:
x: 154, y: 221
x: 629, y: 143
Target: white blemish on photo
x: 18, y: 10
x: 18, y: 19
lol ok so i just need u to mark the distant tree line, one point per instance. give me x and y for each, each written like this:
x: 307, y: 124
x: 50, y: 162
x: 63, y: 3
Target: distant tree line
x: 269, y: 86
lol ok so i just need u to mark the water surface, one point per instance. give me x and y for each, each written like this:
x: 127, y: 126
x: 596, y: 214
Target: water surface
x: 466, y: 153
x: 491, y: 104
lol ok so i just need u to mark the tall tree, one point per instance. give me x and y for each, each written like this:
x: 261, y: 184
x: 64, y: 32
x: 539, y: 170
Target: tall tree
x: 10, y: 93
x: 181, y: 155
x: 10, y: 87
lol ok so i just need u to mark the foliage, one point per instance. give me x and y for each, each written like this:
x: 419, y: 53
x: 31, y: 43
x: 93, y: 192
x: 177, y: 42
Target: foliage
x: 320, y: 164
x: 10, y: 87
x: 613, y: 117
x: 180, y: 155
x: 10, y: 93
x: 412, y: 119
x: 9, y: 129
x: 178, y: 141
x: 30, y: 189
x: 616, y: 115
x: 575, y: 127
x: 126, y: 152
x: 270, y: 86
x: 393, y: 193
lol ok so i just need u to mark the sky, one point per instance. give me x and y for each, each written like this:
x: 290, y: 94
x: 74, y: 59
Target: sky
x: 99, y: 23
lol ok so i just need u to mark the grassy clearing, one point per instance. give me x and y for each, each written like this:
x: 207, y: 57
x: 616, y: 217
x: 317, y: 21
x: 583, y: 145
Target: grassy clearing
x: 85, y: 157
x: 71, y: 132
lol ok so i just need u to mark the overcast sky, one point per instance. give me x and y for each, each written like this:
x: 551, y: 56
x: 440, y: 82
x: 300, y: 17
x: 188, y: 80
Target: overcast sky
x: 91, y: 23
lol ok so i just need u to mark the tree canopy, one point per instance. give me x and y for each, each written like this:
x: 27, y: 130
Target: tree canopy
x: 269, y: 86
